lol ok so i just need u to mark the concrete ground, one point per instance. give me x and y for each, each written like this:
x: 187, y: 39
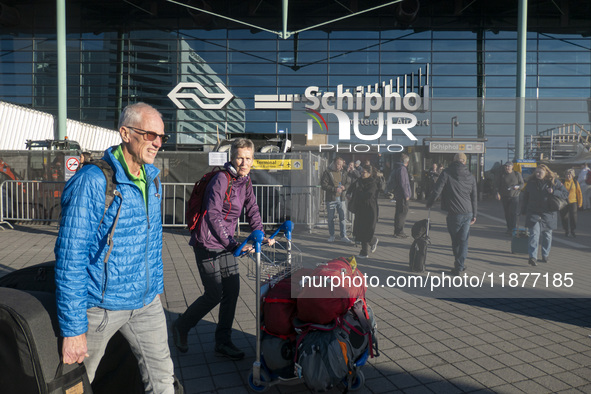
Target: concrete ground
x: 496, y: 331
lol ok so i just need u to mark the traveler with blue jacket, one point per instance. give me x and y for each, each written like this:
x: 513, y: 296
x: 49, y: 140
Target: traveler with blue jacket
x: 213, y: 243
x: 539, y: 219
x: 101, y: 290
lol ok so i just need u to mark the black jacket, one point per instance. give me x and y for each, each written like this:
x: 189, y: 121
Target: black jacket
x: 364, y: 203
x: 399, y: 181
x: 505, y: 183
x: 457, y: 187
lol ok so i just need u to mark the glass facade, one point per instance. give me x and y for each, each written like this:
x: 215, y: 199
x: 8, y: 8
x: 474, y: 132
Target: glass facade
x: 108, y: 70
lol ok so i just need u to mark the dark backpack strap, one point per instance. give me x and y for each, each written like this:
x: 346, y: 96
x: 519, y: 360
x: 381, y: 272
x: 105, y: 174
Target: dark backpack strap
x: 157, y: 183
x: 110, y: 193
x: 110, y: 238
x: 229, y: 188
x: 110, y: 188
x: 228, y: 191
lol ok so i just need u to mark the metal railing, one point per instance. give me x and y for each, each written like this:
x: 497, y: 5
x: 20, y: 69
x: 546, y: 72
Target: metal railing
x: 27, y: 201
x: 277, y: 203
x: 557, y: 143
x: 40, y: 201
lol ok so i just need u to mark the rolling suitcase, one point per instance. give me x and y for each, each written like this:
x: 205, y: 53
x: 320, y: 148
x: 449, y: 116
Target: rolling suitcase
x: 520, y: 240
x: 418, y: 250
x: 29, y: 339
x: 118, y: 371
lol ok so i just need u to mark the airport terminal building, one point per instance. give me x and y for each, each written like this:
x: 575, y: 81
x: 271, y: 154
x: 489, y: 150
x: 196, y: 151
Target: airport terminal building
x: 220, y: 68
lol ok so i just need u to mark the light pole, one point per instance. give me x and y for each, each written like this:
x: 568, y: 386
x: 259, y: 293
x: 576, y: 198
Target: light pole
x: 454, y: 124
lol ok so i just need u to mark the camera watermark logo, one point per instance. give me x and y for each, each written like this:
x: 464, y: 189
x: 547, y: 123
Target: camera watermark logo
x: 345, y: 125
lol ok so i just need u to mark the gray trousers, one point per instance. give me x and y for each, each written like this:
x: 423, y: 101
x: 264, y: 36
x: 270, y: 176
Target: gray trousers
x: 145, y: 330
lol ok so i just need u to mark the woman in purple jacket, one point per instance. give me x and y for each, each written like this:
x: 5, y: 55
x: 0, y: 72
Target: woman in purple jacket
x: 213, y: 243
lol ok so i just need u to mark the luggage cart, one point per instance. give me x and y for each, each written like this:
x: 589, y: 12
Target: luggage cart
x: 268, y: 265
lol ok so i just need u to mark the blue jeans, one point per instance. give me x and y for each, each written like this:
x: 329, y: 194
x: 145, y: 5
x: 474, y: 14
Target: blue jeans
x: 458, y: 227
x: 340, y: 207
x: 534, y: 240
x: 145, y: 330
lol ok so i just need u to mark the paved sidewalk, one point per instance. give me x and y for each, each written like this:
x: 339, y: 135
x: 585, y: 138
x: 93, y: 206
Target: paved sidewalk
x: 472, y: 340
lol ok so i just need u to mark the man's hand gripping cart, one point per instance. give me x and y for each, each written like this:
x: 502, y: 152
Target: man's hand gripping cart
x: 268, y: 265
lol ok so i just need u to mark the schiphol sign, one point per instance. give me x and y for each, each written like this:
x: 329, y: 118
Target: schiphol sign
x: 362, y: 101
x: 391, y: 111
x: 365, y: 103
x: 456, y: 147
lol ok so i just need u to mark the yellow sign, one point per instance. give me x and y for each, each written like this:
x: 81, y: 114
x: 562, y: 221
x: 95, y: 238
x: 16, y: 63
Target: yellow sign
x: 265, y: 164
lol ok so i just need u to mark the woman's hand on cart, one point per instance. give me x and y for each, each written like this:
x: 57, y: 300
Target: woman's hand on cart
x: 256, y: 238
x: 250, y: 248
x: 247, y: 249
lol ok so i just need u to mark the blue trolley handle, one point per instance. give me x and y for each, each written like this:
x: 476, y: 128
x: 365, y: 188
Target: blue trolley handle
x: 256, y: 237
x: 286, y: 227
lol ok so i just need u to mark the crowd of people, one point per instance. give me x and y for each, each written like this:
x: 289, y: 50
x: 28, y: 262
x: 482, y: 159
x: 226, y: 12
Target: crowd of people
x: 357, y: 188
x: 456, y: 187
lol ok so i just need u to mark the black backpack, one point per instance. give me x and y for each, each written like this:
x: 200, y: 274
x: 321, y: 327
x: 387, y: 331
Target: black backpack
x: 324, y: 358
x: 419, y: 229
x: 329, y: 355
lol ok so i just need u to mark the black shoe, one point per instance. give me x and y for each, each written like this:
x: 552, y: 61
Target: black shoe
x: 545, y: 259
x: 532, y: 262
x: 179, y: 338
x: 400, y: 235
x: 229, y: 350
x: 573, y: 235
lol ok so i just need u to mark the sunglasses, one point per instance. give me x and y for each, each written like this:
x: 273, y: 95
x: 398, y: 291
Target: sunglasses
x: 149, y: 135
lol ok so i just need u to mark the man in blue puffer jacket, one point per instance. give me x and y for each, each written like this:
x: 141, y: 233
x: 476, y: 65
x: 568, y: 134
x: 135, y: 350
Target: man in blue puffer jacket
x: 97, y: 298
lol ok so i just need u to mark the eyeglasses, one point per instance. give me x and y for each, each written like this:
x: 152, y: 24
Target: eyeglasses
x: 149, y: 135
